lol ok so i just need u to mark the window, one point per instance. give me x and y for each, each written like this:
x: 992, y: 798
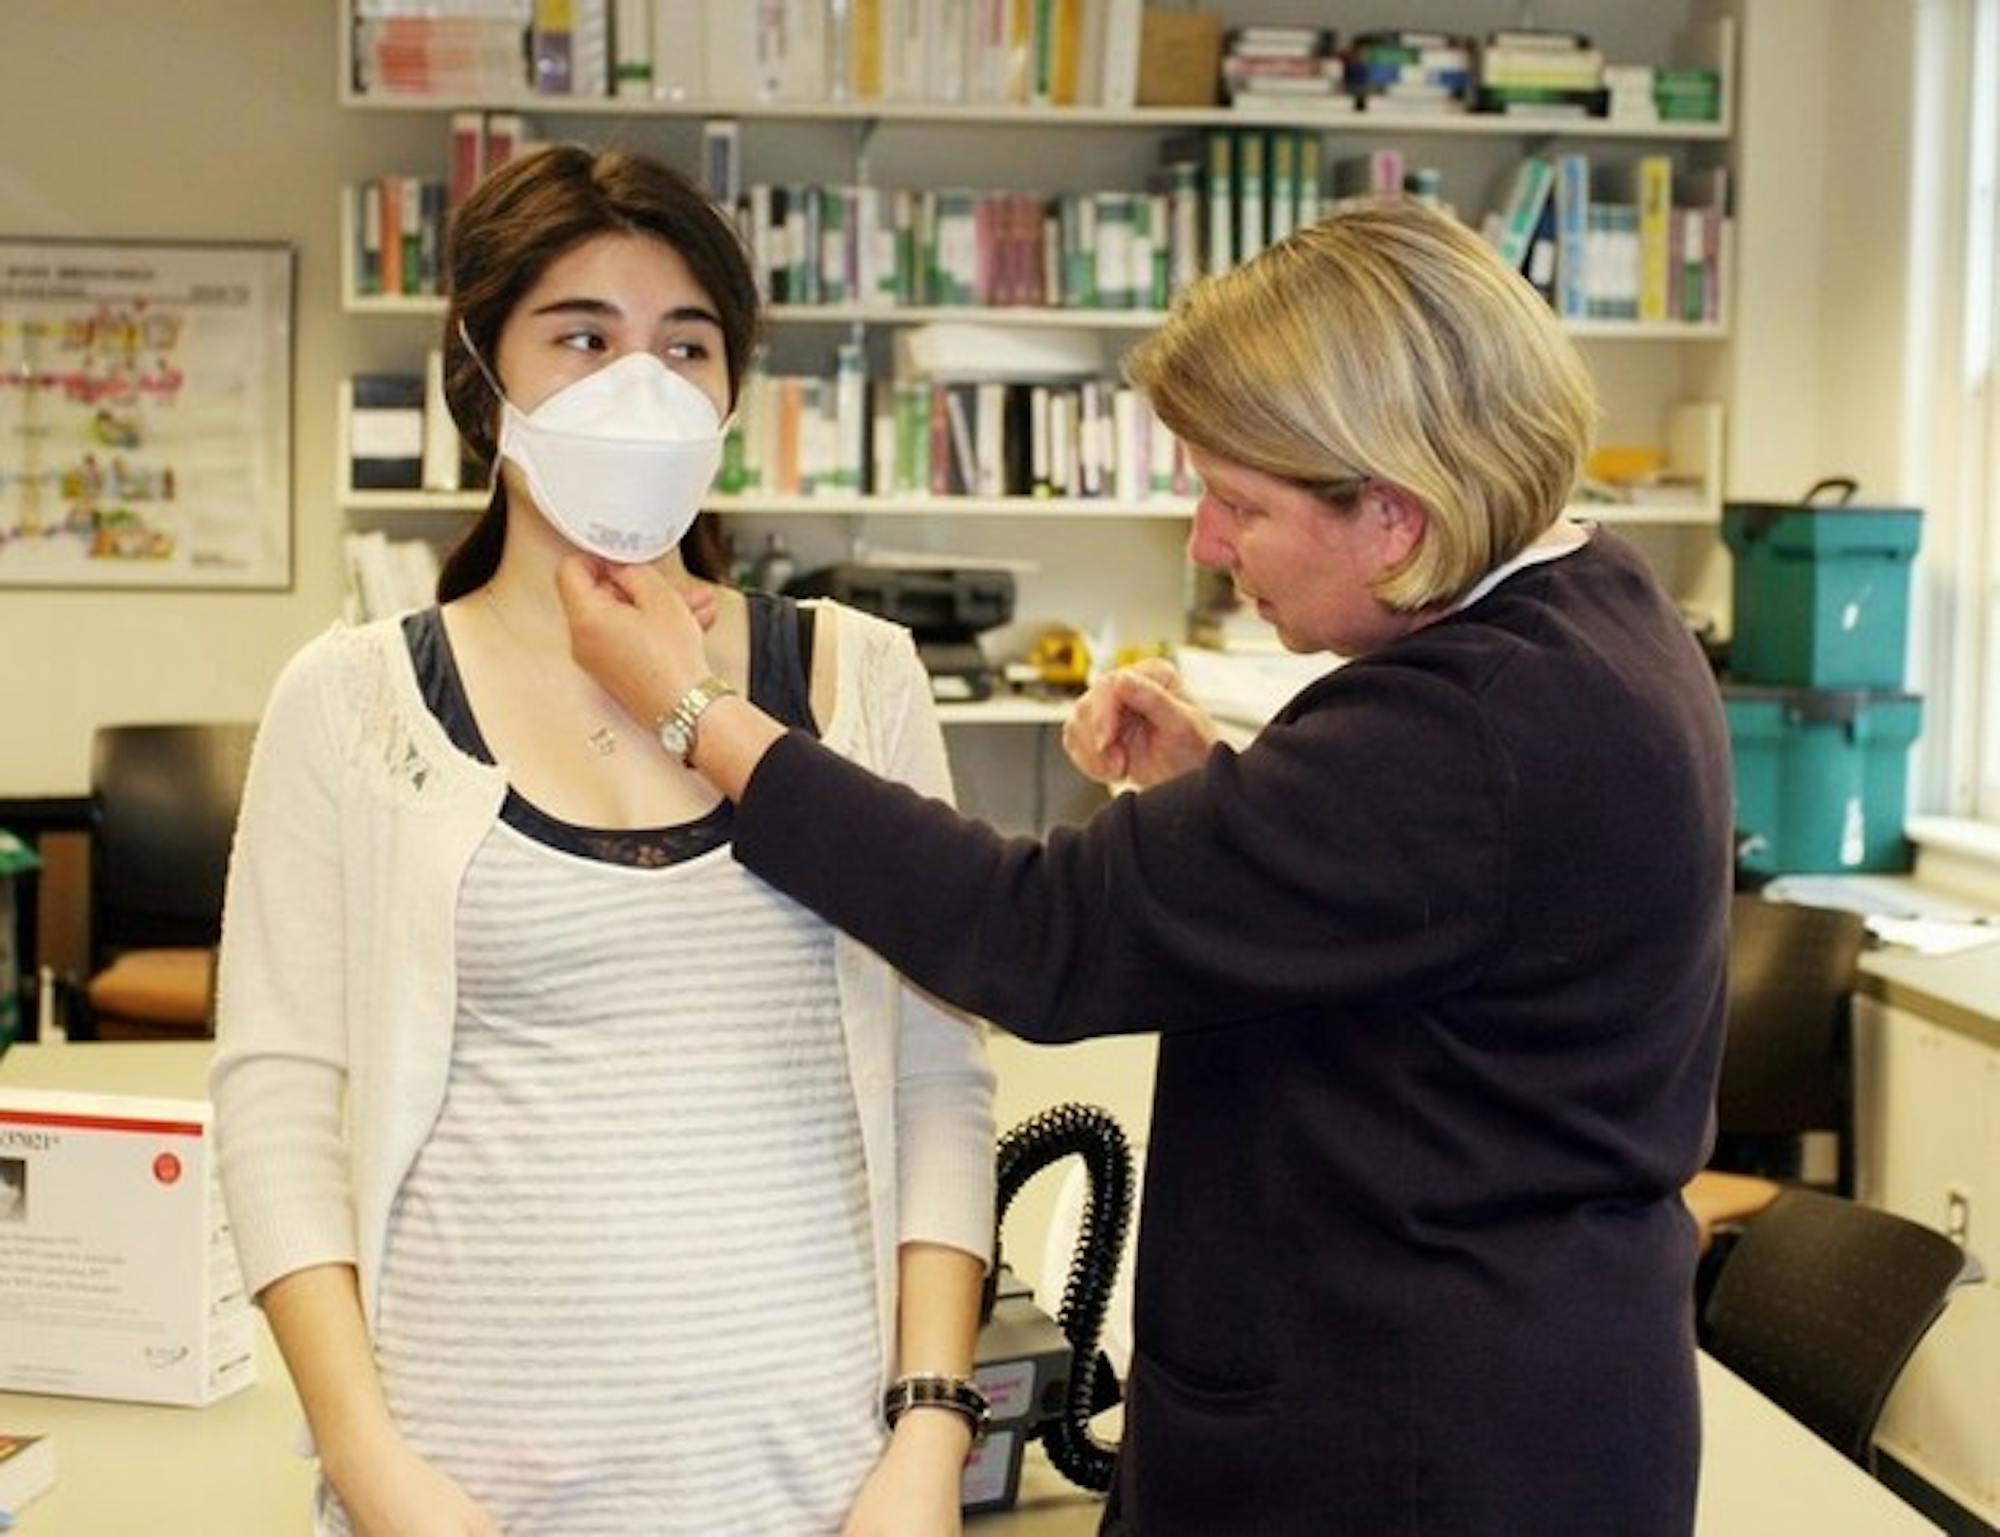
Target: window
x: 1954, y: 404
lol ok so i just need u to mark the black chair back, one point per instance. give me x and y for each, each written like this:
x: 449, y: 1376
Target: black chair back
x: 165, y: 799
x: 1786, y: 1056
x: 1821, y: 1303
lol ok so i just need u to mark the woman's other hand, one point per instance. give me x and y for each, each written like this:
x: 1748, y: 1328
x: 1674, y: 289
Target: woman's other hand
x: 700, y: 599
x: 633, y: 631
x: 914, y: 1490
x: 389, y: 1491
x: 1137, y: 725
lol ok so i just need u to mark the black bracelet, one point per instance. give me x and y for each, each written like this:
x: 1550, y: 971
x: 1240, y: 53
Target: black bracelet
x: 935, y: 1390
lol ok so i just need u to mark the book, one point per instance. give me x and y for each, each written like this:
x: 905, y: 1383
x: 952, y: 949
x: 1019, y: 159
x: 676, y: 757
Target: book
x: 1120, y: 85
x: 1221, y: 201
x: 1251, y: 225
x: 722, y: 160
x: 385, y: 432
x: 1521, y: 211
x: 1539, y: 266
x: 590, y: 48
x: 27, y: 1468
x: 551, y: 48
x: 443, y: 457
x: 1656, y: 255
x: 468, y: 153
x: 1572, y: 204
x: 679, y: 67
x: 632, y: 49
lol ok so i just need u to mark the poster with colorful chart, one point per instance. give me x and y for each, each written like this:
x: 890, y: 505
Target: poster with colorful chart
x: 145, y: 414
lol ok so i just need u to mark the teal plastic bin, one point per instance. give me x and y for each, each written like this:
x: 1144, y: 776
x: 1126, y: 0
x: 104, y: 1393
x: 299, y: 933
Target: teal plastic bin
x: 1822, y: 593
x: 1820, y: 777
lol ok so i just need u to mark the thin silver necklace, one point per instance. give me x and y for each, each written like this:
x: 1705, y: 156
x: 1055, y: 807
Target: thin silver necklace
x: 603, y: 739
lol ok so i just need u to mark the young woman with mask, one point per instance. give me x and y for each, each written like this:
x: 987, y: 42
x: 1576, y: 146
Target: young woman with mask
x: 588, y: 1185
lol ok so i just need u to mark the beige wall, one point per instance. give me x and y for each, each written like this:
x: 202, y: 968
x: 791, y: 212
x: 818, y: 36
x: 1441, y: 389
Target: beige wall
x: 211, y: 121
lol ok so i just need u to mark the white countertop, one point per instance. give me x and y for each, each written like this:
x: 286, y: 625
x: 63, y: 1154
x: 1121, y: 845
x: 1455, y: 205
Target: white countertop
x: 229, y: 1470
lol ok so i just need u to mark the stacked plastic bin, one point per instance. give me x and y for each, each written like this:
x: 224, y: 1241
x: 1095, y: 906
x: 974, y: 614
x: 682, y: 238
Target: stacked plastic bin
x: 1818, y: 718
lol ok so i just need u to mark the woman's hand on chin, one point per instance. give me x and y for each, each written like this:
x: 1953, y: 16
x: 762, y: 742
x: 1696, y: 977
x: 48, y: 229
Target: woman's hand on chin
x: 632, y: 630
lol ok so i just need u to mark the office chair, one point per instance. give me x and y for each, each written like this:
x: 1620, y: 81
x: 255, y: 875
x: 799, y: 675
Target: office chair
x: 164, y: 800
x: 1821, y: 1303
x: 1786, y: 1064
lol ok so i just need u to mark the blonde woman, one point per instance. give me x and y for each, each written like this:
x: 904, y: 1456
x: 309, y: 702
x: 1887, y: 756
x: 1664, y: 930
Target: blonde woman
x: 1436, y: 961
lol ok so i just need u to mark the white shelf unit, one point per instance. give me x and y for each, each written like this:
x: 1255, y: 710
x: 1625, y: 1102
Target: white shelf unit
x: 1051, y: 318
x: 1100, y: 558
x: 1379, y: 123
x: 1694, y: 448
x: 1713, y: 48
x: 432, y: 306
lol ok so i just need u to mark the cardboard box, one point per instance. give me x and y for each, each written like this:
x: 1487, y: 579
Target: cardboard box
x: 118, y: 1275
x: 1180, y: 58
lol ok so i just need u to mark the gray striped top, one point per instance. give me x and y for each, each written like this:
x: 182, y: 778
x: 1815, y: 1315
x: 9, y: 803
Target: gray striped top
x: 627, y: 1285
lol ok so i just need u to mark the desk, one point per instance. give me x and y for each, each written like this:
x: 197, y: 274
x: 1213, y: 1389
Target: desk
x: 229, y: 1469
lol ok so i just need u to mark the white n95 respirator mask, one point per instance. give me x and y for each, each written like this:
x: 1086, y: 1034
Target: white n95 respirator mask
x: 619, y: 460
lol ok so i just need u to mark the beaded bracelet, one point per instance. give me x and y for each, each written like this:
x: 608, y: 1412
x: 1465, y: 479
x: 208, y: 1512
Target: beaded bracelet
x: 935, y: 1390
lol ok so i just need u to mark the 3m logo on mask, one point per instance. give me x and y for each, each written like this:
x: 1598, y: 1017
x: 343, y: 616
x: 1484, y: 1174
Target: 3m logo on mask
x: 623, y: 544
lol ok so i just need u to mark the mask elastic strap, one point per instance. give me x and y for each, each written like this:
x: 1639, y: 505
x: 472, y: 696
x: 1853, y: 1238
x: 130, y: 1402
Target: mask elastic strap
x: 485, y: 372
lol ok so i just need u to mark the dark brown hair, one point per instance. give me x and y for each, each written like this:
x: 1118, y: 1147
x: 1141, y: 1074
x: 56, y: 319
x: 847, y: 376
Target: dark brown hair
x: 504, y: 237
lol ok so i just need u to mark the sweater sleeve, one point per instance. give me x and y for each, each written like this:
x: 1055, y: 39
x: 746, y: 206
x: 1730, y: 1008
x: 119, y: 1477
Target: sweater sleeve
x: 1356, y: 848
x: 944, y: 1087
x: 280, y: 1068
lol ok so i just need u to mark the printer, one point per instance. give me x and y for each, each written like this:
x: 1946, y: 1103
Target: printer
x: 946, y: 608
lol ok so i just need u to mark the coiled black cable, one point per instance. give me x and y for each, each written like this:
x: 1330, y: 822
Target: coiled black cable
x: 1091, y: 1134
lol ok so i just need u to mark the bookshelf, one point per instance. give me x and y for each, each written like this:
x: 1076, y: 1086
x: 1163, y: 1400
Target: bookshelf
x: 1050, y: 318
x: 1155, y: 119
x: 1106, y: 561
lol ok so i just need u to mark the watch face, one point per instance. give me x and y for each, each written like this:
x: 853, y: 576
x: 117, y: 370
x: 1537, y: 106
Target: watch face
x: 674, y: 737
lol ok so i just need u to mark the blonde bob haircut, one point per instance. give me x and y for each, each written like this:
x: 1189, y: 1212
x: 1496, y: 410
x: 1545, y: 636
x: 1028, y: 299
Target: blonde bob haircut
x: 1389, y: 343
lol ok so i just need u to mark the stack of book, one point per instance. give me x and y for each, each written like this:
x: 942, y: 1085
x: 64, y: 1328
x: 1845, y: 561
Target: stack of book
x: 1628, y: 91
x: 464, y: 48
x: 1616, y: 242
x: 397, y: 225
x: 1260, y: 187
x: 1267, y: 66
x: 917, y: 435
x: 480, y: 142
x: 1688, y: 95
x: 1410, y: 72
x: 876, y: 245
x: 1541, y: 74
x: 1049, y: 53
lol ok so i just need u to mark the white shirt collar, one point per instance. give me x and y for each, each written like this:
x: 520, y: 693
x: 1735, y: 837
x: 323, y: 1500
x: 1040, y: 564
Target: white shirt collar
x: 1564, y: 537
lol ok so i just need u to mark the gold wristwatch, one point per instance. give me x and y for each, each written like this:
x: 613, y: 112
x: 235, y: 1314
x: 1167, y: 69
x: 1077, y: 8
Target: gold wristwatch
x: 677, y: 727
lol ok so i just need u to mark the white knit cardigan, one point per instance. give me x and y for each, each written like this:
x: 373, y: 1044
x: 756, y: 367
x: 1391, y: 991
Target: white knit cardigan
x: 337, y: 984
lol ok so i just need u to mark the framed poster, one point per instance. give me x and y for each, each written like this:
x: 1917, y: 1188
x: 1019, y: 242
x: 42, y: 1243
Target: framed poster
x: 145, y: 414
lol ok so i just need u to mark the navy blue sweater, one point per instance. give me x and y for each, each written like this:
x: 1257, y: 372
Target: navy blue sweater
x: 1438, y: 967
